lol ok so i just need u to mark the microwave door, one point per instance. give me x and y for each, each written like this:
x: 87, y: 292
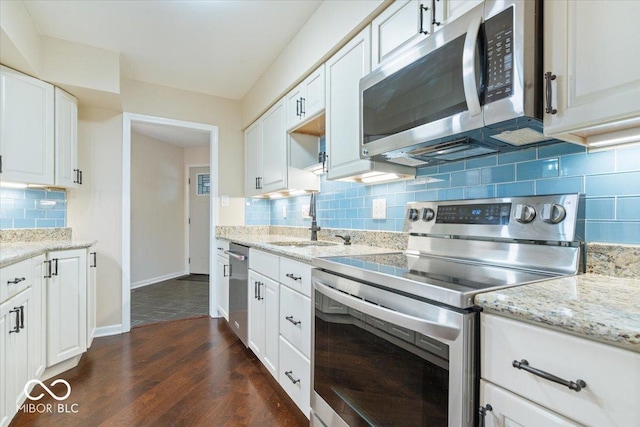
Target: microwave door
x: 431, y: 92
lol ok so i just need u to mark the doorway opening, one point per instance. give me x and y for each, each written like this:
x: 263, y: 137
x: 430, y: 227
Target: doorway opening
x: 158, y: 258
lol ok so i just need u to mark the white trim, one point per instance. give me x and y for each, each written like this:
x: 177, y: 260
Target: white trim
x: 154, y: 280
x: 107, y: 331
x: 187, y: 195
x: 127, y: 119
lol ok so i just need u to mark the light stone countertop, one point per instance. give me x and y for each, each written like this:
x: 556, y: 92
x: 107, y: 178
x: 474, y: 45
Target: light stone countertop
x: 601, y: 308
x: 13, y: 252
x: 305, y: 254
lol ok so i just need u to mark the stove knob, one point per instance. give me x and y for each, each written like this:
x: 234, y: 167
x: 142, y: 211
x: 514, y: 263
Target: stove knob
x: 524, y: 213
x: 413, y: 214
x: 427, y: 214
x: 553, y: 213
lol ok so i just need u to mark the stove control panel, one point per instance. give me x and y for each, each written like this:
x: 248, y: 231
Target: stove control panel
x: 544, y: 218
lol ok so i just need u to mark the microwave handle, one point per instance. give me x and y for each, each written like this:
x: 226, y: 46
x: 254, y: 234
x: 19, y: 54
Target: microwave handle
x: 469, y: 67
x: 423, y: 326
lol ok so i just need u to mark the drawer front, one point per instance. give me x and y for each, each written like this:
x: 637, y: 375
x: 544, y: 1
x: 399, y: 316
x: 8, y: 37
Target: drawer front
x: 511, y: 410
x: 15, y: 278
x: 295, y: 375
x: 221, y: 246
x: 264, y: 263
x: 296, y: 275
x: 612, y: 375
x: 295, y: 319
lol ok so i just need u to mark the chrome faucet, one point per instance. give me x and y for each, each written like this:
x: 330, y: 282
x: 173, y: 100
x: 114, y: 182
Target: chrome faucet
x: 312, y: 213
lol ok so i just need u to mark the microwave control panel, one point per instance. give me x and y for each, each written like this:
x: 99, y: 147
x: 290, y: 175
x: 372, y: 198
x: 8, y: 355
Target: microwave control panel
x: 499, y: 54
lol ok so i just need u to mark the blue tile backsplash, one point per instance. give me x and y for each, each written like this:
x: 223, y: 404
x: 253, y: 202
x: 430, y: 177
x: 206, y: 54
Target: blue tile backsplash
x: 610, y: 181
x: 31, y: 208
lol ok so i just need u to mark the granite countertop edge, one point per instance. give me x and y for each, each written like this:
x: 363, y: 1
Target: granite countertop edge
x: 601, y: 308
x: 10, y: 253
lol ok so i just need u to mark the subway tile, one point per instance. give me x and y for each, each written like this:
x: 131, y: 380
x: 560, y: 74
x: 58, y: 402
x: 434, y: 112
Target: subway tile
x: 6, y: 203
x: 515, y: 189
x: 34, y: 213
x: 10, y: 193
x: 35, y: 194
x: 357, y: 223
x: 440, y: 181
x: 344, y: 223
x: 547, y: 168
x: 429, y: 170
x: 400, y: 224
x: 352, y: 192
x: 628, y: 159
x: 56, y: 195
x: 396, y: 187
x: 495, y: 174
x: 465, y: 178
x: 12, y: 213
x: 380, y: 189
x: 6, y: 223
x: 481, y: 162
x: 604, y: 208
x: 371, y: 224
x: 403, y: 198
x: 451, y: 194
x: 387, y: 225
x: 451, y: 167
x: 480, y: 192
x: 357, y: 202
x: 344, y: 203
x: 364, y: 212
x: 574, y: 184
x: 613, y: 232
x: 426, y: 196
x: 351, y: 213
x: 588, y: 164
x: 559, y: 149
x: 621, y: 184
x: 628, y: 208
x: 517, y: 156
x: 396, y: 212
x: 28, y: 223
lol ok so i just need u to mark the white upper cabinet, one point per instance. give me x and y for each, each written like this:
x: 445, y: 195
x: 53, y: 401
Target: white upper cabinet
x: 66, y: 140
x: 306, y: 100
x: 253, y: 158
x: 274, y: 149
x: 447, y: 11
x: 592, y: 59
x: 26, y: 128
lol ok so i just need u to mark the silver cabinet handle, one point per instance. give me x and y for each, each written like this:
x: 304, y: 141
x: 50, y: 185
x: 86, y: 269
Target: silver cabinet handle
x: 293, y: 380
x: 469, y: 68
x: 423, y: 326
x: 236, y: 255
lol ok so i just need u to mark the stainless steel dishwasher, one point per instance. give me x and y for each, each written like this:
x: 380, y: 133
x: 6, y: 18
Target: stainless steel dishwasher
x: 238, y: 288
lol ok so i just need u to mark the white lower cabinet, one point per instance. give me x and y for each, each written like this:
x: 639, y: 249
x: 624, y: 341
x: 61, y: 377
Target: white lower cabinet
x: 295, y: 375
x: 66, y: 305
x: 92, y: 273
x: 263, y: 320
x: 38, y: 335
x: 609, y: 395
x: 222, y: 286
x: 295, y: 319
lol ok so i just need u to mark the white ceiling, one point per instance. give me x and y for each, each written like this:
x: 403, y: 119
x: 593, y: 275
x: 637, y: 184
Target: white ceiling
x: 175, y: 135
x: 217, y: 47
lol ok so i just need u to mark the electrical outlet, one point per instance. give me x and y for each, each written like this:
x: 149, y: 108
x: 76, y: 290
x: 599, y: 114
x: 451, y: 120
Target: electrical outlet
x: 284, y: 212
x: 379, y: 209
x: 305, y: 212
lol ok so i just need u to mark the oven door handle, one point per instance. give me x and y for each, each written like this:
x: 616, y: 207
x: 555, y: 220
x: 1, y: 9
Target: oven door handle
x: 423, y: 326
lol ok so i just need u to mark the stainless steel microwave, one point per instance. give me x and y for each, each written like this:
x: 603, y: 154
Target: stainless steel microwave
x: 473, y: 88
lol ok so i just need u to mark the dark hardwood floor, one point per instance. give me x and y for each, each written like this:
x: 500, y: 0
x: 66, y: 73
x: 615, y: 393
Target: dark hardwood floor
x: 192, y: 372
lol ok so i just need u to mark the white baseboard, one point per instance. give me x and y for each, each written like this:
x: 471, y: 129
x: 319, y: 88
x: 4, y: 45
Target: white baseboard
x: 158, y: 279
x: 106, y: 331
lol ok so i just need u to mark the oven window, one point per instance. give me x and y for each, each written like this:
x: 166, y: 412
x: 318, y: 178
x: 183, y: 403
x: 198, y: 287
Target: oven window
x: 373, y: 373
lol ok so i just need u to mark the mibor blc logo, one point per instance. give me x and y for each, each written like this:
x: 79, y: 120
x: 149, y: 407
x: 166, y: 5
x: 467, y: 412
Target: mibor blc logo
x: 59, y: 408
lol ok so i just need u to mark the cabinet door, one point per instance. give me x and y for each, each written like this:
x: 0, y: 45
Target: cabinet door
x: 295, y: 319
x: 592, y: 48
x: 66, y: 139
x: 37, y: 333
x: 274, y: 145
x: 67, y: 305
x: 92, y: 273
x: 256, y: 315
x: 5, y: 384
x: 447, y: 11
x: 222, y: 287
x: 293, y: 106
x: 270, y: 291
x: 511, y: 410
x: 26, y: 128
x: 253, y: 158
x: 399, y: 27
x: 344, y: 71
x: 314, y: 91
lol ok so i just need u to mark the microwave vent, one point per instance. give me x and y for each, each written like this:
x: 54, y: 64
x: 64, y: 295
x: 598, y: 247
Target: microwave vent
x: 441, y: 148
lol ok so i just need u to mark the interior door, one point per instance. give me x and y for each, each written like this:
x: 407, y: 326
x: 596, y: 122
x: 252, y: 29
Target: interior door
x: 199, y: 190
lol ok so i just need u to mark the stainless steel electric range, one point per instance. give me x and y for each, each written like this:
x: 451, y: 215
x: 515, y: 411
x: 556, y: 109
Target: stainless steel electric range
x: 396, y: 335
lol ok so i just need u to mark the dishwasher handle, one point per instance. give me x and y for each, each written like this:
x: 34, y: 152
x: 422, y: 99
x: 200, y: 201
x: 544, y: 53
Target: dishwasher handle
x: 236, y: 255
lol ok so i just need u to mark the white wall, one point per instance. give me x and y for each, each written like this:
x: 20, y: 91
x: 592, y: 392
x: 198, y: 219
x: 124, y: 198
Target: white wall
x: 330, y: 27
x: 94, y: 210
x: 157, y: 210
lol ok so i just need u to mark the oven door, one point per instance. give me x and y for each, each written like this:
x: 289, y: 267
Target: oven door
x: 383, y: 359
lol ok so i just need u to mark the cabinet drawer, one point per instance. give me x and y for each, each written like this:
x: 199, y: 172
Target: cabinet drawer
x: 295, y: 319
x: 295, y: 375
x: 264, y: 263
x: 15, y: 278
x: 611, y: 374
x: 296, y: 275
x: 512, y: 410
x: 221, y: 246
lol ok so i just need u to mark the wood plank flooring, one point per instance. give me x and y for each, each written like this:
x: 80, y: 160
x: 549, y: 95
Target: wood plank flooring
x: 192, y: 372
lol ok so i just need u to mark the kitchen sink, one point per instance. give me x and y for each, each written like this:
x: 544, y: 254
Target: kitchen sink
x: 303, y: 244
